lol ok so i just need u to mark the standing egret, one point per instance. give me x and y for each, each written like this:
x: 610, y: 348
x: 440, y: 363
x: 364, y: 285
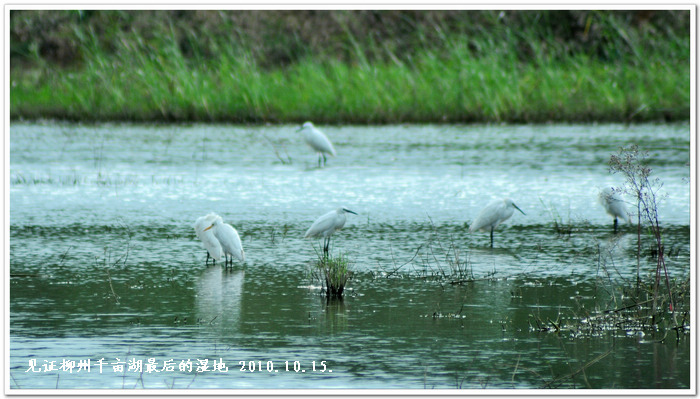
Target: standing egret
x: 318, y: 141
x: 228, y: 238
x: 326, y: 225
x: 494, y: 214
x: 210, y: 242
x: 613, y: 205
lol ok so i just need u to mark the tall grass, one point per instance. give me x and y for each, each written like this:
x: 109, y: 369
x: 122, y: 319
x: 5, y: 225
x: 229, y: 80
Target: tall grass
x: 465, y: 79
x: 164, y: 87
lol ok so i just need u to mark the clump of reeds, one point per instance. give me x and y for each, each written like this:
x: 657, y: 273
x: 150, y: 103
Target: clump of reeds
x: 334, y: 273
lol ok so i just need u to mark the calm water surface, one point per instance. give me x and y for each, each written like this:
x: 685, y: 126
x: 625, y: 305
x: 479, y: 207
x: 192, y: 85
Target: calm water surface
x: 104, y: 262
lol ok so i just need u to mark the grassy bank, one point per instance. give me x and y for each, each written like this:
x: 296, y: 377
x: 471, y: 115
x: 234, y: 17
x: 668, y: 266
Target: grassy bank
x: 500, y: 74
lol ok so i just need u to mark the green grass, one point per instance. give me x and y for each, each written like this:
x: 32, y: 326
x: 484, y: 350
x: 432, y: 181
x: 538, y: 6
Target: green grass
x: 166, y: 88
x: 334, y: 273
x: 499, y: 76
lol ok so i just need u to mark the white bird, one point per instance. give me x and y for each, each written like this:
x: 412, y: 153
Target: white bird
x: 494, y: 214
x: 613, y: 205
x: 228, y: 238
x: 326, y: 225
x: 318, y: 141
x: 210, y: 242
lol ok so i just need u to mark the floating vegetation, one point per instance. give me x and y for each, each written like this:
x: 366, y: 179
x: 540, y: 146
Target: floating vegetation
x: 70, y: 180
x: 99, y: 179
x: 636, y: 315
x: 617, y: 323
x: 439, y: 315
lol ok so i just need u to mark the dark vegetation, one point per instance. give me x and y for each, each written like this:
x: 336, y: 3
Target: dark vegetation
x: 280, y: 38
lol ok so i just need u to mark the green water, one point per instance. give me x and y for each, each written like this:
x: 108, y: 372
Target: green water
x: 104, y: 263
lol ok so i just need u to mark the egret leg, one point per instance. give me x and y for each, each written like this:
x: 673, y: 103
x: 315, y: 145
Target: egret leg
x: 207, y: 261
x: 615, y: 226
x: 326, y: 244
x: 491, y: 237
x: 324, y: 159
x: 320, y: 154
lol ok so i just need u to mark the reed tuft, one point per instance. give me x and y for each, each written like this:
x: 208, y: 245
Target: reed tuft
x: 334, y: 273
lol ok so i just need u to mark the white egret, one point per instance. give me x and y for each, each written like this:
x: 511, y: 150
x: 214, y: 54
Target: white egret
x: 613, y: 205
x: 326, y: 225
x: 494, y: 214
x: 228, y: 238
x: 318, y: 141
x: 210, y: 242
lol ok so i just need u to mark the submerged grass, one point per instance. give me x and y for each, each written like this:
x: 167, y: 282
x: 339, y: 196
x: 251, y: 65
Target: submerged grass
x: 99, y: 179
x: 633, y: 314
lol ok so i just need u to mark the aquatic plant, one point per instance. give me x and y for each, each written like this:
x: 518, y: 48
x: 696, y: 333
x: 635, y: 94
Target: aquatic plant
x: 333, y: 272
x: 439, y: 259
x: 621, y: 319
x: 287, y: 160
x: 459, y: 269
x: 562, y: 228
x: 632, y: 164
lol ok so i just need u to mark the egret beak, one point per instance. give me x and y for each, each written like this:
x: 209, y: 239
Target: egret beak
x: 516, y: 207
x: 213, y: 226
x: 348, y: 210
